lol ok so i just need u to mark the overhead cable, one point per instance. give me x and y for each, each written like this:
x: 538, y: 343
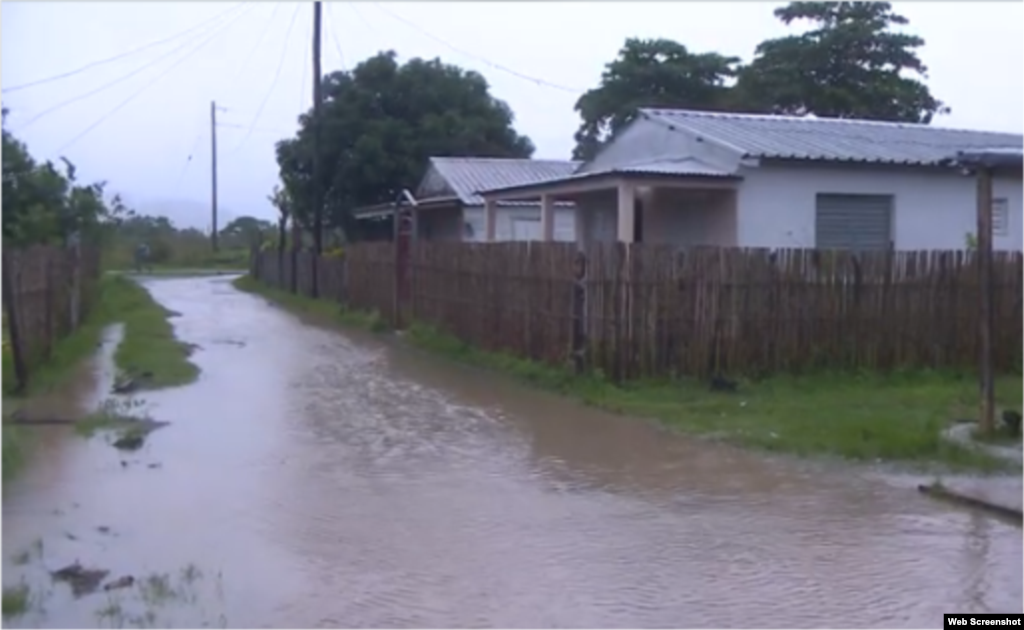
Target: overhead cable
x: 334, y: 36
x: 129, y: 53
x: 125, y: 77
x: 479, y: 58
x: 273, y: 83
x: 156, y: 79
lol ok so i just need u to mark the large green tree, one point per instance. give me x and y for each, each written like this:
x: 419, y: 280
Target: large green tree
x: 651, y: 73
x: 43, y: 203
x: 851, y: 63
x: 245, y: 231
x: 380, y: 123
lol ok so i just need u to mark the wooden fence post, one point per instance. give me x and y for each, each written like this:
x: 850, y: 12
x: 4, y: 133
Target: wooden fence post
x: 48, y: 292
x: 579, y: 313
x: 14, y: 326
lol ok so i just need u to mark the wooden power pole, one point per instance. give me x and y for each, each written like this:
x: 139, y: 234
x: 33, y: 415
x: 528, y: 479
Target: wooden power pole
x: 984, y: 242
x: 213, y: 173
x: 318, y: 189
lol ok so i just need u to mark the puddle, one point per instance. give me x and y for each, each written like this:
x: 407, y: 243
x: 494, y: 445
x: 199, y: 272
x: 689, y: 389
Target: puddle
x: 312, y: 479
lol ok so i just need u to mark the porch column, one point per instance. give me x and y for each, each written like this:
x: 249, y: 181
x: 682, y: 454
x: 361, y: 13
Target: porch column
x: 580, y: 226
x: 547, y: 218
x: 490, y: 220
x: 627, y: 209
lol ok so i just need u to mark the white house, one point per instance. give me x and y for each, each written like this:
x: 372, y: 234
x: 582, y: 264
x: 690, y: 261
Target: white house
x: 450, y: 208
x: 701, y: 178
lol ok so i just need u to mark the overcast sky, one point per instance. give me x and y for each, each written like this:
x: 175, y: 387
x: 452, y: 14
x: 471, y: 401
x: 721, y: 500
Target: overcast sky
x: 139, y: 133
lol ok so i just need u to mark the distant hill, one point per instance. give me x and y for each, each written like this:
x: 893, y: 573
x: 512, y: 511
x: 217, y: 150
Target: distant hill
x: 184, y: 213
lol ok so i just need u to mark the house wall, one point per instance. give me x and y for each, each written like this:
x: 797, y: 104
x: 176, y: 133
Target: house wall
x: 933, y: 209
x: 564, y: 228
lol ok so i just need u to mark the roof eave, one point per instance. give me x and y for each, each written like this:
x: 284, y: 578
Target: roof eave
x: 539, y: 187
x: 990, y: 158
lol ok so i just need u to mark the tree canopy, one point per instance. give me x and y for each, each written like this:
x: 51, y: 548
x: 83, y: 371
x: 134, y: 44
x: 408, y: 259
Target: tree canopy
x: 44, y: 203
x: 245, y: 231
x: 651, y: 73
x: 851, y: 63
x: 380, y: 123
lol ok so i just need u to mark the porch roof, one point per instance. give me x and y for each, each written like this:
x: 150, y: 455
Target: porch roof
x: 388, y: 208
x: 673, y: 172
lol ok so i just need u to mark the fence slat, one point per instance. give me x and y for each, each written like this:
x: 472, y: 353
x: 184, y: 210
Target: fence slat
x: 656, y: 311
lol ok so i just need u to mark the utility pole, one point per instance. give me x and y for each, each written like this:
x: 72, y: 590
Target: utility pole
x: 984, y: 252
x: 318, y: 189
x: 213, y: 173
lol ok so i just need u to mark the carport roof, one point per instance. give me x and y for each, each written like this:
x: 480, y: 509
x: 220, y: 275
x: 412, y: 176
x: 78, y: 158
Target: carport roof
x: 466, y: 176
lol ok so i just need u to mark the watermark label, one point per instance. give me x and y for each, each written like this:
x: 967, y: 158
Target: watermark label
x: 967, y: 621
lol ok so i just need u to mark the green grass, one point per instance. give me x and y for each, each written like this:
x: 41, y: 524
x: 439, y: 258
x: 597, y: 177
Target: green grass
x: 16, y: 447
x: 193, y: 258
x: 16, y: 600
x: 1000, y: 436
x: 67, y: 355
x: 111, y: 413
x: 322, y: 310
x: 895, y: 418
x: 149, y: 344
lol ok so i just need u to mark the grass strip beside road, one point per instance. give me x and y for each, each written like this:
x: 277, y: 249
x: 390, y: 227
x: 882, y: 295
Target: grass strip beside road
x: 322, y: 310
x: 148, y: 345
x: 67, y: 355
x: 892, y: 418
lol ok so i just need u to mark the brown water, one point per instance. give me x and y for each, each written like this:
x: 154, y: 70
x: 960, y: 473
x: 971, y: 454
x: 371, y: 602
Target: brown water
x: 319, y: 479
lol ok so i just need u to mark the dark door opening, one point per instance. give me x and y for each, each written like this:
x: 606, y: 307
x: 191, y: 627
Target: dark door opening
x: 638, y: 221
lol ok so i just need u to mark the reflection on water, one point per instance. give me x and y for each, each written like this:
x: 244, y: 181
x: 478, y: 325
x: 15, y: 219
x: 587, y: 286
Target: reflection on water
x: 335, y: 480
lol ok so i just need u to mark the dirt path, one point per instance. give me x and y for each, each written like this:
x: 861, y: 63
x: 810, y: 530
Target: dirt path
x: 316, y: 479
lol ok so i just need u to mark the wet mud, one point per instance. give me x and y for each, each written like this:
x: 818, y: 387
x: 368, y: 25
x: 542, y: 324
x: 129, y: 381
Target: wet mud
x: 312, y: 478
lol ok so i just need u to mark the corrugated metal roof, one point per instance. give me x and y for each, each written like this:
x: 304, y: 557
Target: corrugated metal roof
x: 991, y: 158
x: 830, y: 139
x: 467, y: 176
x: 685, y: 166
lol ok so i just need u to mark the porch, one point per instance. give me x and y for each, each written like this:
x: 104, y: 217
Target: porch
x: 632, y: 207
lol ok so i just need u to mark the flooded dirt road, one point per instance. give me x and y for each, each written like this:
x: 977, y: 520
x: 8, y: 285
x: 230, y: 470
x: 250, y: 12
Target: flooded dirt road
x: 317, y: 479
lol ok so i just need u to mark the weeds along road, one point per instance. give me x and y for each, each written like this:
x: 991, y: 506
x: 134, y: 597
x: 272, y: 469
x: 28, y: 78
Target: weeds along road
x: 317, y: 478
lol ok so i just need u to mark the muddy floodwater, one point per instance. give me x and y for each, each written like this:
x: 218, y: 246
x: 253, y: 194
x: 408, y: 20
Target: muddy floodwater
x: 312, y: 478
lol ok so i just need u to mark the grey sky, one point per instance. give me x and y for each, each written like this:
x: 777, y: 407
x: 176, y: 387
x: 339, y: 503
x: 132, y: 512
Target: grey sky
x: 974, y: 53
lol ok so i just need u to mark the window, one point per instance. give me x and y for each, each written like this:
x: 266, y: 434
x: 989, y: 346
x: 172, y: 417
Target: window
x: 1000, y: 217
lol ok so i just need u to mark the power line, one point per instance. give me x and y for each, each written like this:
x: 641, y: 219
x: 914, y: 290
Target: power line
x: 256, y: 46
x: 484, y: 60
x: 277, y: 74
x: 305, y: 65
x: 359, y: 14
x: 136, y: 94
x: 101, y: 62
x: 188, y: 160
x: 121, y: 79
x: 334, y: 36
x: 238, y: 73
